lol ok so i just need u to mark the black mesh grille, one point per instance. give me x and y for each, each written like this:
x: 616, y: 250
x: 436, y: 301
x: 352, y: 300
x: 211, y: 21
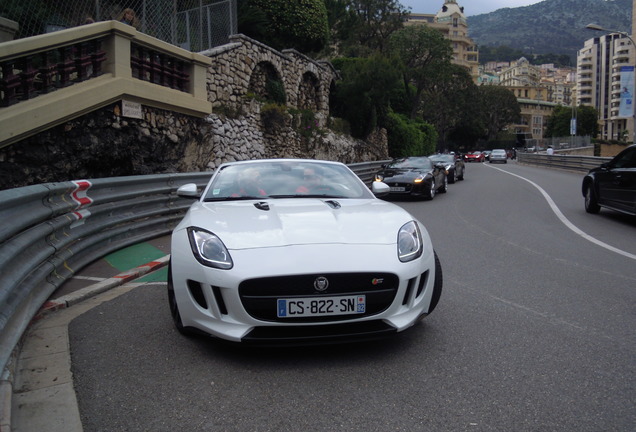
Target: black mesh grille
x: 319, y: 334
x: 259, y: 296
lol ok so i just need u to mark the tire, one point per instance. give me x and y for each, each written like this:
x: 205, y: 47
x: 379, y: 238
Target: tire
x: 431, y: 191
x: 174, y: 308
x: 444, y: 187
x: 591, y: 203
x: 453, y: 176
x: 437, y: 286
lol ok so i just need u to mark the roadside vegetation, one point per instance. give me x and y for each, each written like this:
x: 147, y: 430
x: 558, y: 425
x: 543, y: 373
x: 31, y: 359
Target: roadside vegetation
x: 393, y: 76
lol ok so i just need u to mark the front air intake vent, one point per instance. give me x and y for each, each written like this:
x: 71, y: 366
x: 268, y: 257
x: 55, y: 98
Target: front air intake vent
x: 196, y: 291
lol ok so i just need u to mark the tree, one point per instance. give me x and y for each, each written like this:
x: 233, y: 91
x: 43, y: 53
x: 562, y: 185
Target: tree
x: 451, y: 102
x: 499, y: 108
x: 587, y: 121
x: 558, y: 124
x: 423, y: 55
x: 375, y: 21
x: 362, y: 96
x: 299, y: 24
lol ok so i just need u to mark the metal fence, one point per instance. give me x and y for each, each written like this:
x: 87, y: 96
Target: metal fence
x: 566, y: 162
x: 559, y: 143
x: 195, y: 25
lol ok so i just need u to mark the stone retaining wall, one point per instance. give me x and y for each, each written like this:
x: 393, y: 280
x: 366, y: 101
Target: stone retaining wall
x: 103, y: 143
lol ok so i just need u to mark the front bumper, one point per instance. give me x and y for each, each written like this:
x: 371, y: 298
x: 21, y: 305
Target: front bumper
x: 218, y: 303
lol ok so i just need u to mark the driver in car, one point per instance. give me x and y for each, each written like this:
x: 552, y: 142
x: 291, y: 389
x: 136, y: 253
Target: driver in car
x: 314, y: 183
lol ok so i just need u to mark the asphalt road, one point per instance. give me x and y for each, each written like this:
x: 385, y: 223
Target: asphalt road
x: 534, y: 332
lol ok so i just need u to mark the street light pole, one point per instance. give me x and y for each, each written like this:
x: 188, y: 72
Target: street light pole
x: 597, y: 27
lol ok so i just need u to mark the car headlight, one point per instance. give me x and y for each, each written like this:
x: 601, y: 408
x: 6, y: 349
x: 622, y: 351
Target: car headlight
x: 409, y: 243
x: 208, y: 249
x: 419, y: 179
x: 379, y: 177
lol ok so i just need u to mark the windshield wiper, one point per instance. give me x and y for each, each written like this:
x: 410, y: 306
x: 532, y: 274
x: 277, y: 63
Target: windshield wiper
x: 237, y: 198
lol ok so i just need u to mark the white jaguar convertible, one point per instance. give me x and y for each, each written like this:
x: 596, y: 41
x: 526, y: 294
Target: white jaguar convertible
x: 293, y: 251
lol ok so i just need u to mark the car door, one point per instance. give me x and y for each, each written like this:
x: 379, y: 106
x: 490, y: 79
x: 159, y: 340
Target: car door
x: 617, y: 183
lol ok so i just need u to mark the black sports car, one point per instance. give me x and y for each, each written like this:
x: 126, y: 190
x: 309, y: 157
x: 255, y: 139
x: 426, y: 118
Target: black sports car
x: 414, y: 176
x: 455, y: 167
x: 613, y: 184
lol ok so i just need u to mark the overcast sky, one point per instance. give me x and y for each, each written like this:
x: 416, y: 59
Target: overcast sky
x: 471, y: 7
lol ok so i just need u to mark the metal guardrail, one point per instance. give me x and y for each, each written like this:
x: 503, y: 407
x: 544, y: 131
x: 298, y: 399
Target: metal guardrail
x: 51, y: 231
x: 567, y: 162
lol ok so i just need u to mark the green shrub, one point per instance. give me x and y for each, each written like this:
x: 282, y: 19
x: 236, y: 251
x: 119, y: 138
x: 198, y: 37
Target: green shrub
x: 273, y: 116
x: 276, y: 91
x: 339, y: 125
x: 409, y: 137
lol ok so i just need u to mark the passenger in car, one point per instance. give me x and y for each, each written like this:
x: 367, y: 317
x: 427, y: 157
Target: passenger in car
x: 312, y: 180
x: 249, y: 183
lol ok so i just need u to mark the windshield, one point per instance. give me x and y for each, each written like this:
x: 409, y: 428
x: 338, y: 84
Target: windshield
x: 442, y: 158
x: 422, y: 163
x: 284, y: 179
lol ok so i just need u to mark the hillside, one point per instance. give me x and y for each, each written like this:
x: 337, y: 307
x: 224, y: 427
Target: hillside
x: 551, y: 26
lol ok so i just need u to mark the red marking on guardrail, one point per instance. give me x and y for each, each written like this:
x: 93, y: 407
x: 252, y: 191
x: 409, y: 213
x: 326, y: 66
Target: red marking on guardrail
x: 80, y: 196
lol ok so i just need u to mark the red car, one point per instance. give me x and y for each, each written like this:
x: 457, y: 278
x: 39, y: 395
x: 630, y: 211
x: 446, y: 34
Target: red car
x: 476, y: 156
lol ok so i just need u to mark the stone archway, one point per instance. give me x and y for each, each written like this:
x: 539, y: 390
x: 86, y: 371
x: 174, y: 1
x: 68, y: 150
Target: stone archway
x: 266, y: 82
x: 309, y: 92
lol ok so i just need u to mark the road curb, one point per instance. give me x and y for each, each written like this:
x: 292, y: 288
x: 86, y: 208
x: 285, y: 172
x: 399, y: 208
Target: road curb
x: 6, y: 386
x: 98, y: 288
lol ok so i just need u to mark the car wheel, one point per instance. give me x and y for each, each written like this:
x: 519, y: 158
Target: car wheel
x: 431, y: 190
x: 453, y: 176
x: 591, y: 204
x: 174, y: 309
x: 444, y: 187
x: 437, y: 286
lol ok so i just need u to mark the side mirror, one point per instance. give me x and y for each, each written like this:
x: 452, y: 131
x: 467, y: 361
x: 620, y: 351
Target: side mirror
x: 188, y: 190
x: 380, y: 189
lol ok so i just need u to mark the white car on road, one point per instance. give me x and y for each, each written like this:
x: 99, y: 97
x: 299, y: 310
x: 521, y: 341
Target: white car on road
x: 298, y: 251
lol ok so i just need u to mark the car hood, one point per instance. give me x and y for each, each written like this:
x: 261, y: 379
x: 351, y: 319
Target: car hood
x: 404, y: 172
x: 283, y: 222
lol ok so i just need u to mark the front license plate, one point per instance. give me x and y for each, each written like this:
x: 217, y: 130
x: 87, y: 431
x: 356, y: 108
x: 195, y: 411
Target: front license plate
x: 397, y: 189
x: 323, y: 306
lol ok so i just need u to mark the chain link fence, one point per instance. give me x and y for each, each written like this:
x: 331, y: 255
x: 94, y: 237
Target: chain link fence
x: 195, y: 25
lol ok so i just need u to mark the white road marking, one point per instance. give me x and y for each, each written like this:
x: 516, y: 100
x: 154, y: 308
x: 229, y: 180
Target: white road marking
x: 566, y: 221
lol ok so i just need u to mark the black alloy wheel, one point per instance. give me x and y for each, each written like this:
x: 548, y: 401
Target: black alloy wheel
x: 431, y: 190
x: 591, y: 204
x: 444, y: 187
x: 453, y: 175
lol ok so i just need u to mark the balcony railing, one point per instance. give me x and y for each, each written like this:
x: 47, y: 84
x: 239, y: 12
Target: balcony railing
x: 51, y: 78
x: 30, y: 75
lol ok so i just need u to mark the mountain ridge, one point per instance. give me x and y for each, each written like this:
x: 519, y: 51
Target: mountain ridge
x: 551, y: 26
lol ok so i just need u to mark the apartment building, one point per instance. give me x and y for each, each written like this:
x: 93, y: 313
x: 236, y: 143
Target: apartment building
x: 601, y: 65
x: 452, y: 23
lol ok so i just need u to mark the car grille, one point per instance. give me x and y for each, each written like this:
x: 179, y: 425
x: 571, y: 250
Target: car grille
x: 259, y: 296
x: 408, y: 187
